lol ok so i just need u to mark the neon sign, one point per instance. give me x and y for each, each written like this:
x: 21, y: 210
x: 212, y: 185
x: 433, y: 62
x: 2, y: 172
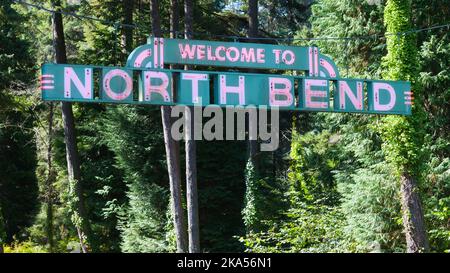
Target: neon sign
x: 145, y: 80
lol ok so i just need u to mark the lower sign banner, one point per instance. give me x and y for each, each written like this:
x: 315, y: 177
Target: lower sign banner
x: 63, y: 82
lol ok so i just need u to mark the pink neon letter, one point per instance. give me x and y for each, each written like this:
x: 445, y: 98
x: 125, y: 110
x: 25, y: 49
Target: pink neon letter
x: 209, y: 52
x: 377, y: 86
x: 284, y: 91
x: 71, y: 77
x: 218, y: 57
x: 107, y: 86
x: 344, y: 89
x: 160, y: 89
x: 291, y: 57
x: 310, y: 93
x: 200, y: 52
x: 187, y: 51
x: 277, y: 55
x: 236, y: 54
x: 224, y: 89
x: 194, y: 78
x: 248, y: 56
x: 260, y: 55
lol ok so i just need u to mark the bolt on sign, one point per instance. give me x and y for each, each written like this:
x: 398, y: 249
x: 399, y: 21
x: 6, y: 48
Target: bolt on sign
x: 144, y: 79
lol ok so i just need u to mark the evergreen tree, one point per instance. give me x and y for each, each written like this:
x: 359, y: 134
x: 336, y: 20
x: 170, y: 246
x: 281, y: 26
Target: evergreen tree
x: 18, y: 184
x: 358, y: 139
x: 2, y: 231
x: 434, y: 56
x: 134, y: 135
x: 333, y: 186
x: 221, y: 166
x: 16, y: 63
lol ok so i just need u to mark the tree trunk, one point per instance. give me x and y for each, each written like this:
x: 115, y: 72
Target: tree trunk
x: 191, y: 183
x: 173, y: 166
x: 73, y: 163
x: 416, y: 239
x: 253, y: 33
x: 191, y: 150
x: 127, y: 35
x: 174, y: 18
x: 173, y: 158
x: 253, y: 18
x: 50, y: 179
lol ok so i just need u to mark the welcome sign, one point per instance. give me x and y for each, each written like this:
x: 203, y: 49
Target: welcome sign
x: 145, y: 81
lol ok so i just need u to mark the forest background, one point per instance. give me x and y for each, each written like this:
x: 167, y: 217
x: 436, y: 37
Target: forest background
x: 338, y: 182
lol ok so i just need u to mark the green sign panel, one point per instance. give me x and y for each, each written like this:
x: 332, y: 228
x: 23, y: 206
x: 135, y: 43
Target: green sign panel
x: 145, y: 81
x: 75, y: 83
x: 159, y: 51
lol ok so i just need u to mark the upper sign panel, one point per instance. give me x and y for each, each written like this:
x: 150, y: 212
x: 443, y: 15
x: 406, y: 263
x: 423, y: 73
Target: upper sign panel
x: 160, y: 51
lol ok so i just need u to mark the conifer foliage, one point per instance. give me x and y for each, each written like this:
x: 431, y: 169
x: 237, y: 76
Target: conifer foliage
x: 338, y: 182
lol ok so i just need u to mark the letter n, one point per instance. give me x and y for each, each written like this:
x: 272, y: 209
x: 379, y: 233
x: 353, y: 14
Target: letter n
x: 349, y: 95
x: 71, y: 80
